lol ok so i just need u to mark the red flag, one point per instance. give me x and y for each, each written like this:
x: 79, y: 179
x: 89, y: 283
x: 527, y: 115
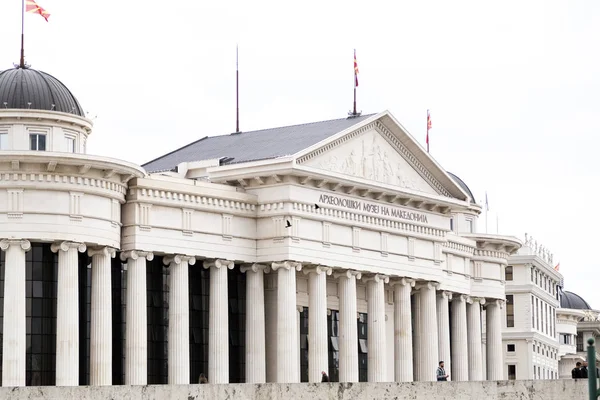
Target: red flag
x: 557, y: 268
x: 428, y: 128
x: 32, y: 7
x: 355, y: 70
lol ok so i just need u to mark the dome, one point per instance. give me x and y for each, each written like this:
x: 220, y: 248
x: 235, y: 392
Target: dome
x: 573, y: 301
x: 463, y: 186
x: 21, y: 86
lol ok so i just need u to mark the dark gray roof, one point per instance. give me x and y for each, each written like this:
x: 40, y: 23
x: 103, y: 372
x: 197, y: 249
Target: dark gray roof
x: 19, y: 86
x: 573, y: 301
x: 255, y: 145
x: 463, y: 186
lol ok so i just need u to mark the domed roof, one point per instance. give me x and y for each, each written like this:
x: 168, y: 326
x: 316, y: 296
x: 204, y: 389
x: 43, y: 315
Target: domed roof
x: 573, y: 301
x: 26, y: 88
x: 463, y: 186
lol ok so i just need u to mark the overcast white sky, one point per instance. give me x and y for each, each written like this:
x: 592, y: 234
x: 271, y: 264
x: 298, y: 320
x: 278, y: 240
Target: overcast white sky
x: 512, y: 87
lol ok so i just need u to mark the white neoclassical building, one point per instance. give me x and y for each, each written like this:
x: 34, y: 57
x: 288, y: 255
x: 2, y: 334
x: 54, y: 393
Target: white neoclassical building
x: 266, y: 256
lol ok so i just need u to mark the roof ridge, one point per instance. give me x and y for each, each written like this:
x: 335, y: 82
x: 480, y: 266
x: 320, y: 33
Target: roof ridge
x: 171, y: 152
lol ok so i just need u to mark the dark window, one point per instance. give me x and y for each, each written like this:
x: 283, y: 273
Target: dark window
x: 333, y: 326
x: 580, y: 342
x: 510, y: 311
x: 37, y: 141
x: 236, y: 282
x: 508, y: 273
x: 304, y: 345
x: 199, y: 284
x: 512, y: 372
x: 452, y: 224
x: 157, y: 292
x: 362, y: 348
x: 1, y: 305
x: 85, y: 303
x: 510, y: 348
x: 119, y: 295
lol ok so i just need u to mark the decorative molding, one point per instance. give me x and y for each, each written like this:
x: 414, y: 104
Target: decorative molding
x: 24, y: 244
x: 144, y: 216
x: 218, y: 263
x: 295, y: 234
x: 278, y: 229
x: 317, y: 269
x: 375, y: 277
x: 356, y: 239
x: 33, y: 178
x: 102, y: 250
x: 15, y: 203
x: 115, y: 213
x: 255, y: 268
x: 348, y: 274
x: 75, y: 206
x: 178, y: 259
x: 411, y: 249
x: 402, y: 282
x: 65, y: 246
x: 384, y: 236
x: 445, y: 294
x: 135, y: 254
x: 459, y: 247
x: 186, y: 222
x: 491, y: 254
x: 226, y: 226
x: 326, y: 234
x: 193, y: 201
x: 437, y: 253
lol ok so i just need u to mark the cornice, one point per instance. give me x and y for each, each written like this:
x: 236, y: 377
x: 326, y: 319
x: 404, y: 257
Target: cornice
x: 19, y: 116
x: 458, y: 248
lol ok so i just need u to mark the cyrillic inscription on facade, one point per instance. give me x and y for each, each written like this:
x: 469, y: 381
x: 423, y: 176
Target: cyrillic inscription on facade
x: 372, y: 208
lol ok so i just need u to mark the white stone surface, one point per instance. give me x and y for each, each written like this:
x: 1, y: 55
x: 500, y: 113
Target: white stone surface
x: 218, y: 321
x: 318, y: 350
x: 136, y: 319
x: 476, y: 366
x: 443, y: 330
x: 348, y: 335
x: 428, y: 351
x: 376, y: 342
x: 495, y: 363
x: 13, y: 324
x: 460, y: 353
x: 179, y: 319
x: 530, y: 390
x: 101, y: 316
x: 255, y: 323
x: 403, y: 360
x: 67, y: 313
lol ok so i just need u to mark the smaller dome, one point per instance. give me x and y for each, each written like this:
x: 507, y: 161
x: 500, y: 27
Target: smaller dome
x: 573, y: 301
x: 463, y: 186
x: 26, y: 88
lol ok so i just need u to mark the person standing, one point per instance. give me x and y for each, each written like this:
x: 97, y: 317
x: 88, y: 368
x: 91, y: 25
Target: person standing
x: 441, y: 373
x: 576, y: 372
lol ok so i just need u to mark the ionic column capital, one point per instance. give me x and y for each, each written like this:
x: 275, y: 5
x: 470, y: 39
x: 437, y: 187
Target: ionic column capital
x: 348, y: 274
x: 445, y: 294
x: 218, y: 263
x: 65, y: 246
x: 299, y: 308
x: 317, y: 269
x: 498, y: 302
x: 427, y: 285
x: 102, y: 250
x: 178, y: 259
x: 135, y: 254
x: 402, y: 282
x: 23, y: 243
x: 461, y: 297
x: 286, y: 265
x: 255, y: 268
x: 473, y: 300
x: 376, y: 278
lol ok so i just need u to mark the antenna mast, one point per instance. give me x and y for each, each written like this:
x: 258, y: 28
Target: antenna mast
x: 22, y: 62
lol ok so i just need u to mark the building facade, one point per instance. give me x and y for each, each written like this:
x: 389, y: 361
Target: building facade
x: 266, y: 256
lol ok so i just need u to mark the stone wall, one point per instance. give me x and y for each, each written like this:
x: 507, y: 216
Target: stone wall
x: 523, y: 390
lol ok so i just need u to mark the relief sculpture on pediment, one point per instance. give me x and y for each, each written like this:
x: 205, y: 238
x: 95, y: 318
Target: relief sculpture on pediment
x: 371, y: 157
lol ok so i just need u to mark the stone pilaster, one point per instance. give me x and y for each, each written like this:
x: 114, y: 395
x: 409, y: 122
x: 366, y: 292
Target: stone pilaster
x: 428, y: 352
x: 179, y: 318
x: 255, y: 323
x: 474, y: 339
x: 67, y: 313
x: 318, y: 350
x: 403, y: 355
x: 218, y: 321
x: 443, y: 329
x: 101, y: 317
x: 495, y: 363
x: 136, y: 317
x: 460, y: 353
x: 348, y: 335
x: 14, y: 327
x: 288, y: 362
x: 376, y: 341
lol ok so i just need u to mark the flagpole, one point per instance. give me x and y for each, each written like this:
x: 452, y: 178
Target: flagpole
x: 237, y: 93
x: 354, y: 109
x: 496, y: 224
x: 22, y: 62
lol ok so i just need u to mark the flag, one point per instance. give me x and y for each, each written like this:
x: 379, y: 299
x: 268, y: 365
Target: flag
x: 487, y: 206
x: 355, y: 70
x: 32, y: 7
x: 428, y: 128
x: 557, y: 268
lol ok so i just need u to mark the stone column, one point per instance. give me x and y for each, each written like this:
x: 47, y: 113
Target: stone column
x: 460, y: 352
x: 376, y: 343
x: 136, y: 318
x: 318, y: 349
x: 495, y: 363
x: 474, y: 338
x: 218, y: 321
x: 348, y: 339
x: 101, y: 318
x: 416, y: 320
x: 288, y: 362
x: 428, y: 353
x: 403, y: 355
x: 179, y: 318
x: 67, y: 313
x: 255, y: 323
x: 443, y: 329
x: 13, y: 325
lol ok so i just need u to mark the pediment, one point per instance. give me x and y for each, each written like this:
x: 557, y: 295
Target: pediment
x: 369, y: 154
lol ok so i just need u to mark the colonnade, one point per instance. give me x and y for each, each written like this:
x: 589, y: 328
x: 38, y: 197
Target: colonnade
x: 431, y: 342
